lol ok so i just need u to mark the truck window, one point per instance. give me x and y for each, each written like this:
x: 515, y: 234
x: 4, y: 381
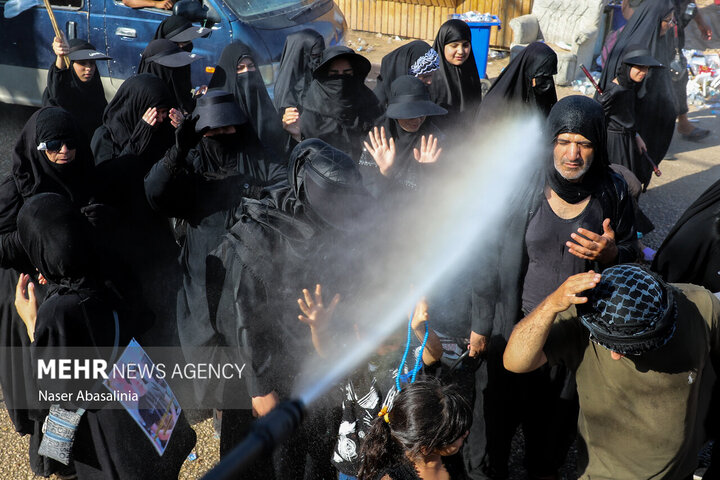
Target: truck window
x: 67, y: 3
x: 258, y: 7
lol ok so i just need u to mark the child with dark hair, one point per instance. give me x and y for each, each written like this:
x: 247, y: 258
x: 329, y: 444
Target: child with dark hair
x: 420, y: 436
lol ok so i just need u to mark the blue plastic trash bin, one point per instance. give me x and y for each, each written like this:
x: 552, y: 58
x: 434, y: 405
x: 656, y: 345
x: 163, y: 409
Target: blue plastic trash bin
x: 481, y: 42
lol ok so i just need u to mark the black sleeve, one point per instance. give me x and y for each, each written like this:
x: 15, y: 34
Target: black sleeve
x: 623, y: 223
x: 12, y: 253
x: 57, y: 80
x: 102, y: 145
x: 170, y: 190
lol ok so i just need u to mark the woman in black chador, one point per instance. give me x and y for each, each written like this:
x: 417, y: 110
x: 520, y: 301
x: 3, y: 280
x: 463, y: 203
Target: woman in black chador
x: 237, y: 73
x: 339, y: 108
x: 137, y: 121
x: 526, y: 81
x: 77, y: 89
x: 625, y: 144
x: 650, y: 27
x: 404, y: 142
x: 456, y: 87
x: 301, y: 55
x: 80, y: 310
x: 217, y: 160
x: 166, y: 60
x: 416, y: 58
x: 181, y: 31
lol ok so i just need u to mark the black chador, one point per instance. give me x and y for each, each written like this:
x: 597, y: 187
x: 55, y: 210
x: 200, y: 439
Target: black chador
x: 414, y: 58
x: 301, y: 55
x: 166, y: 60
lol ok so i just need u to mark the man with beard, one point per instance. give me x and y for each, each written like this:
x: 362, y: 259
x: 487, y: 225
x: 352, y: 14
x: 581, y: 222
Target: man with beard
x: 301, y: 234
x: 643, y: 352
x: 339, y: 109
x: 576, y: 217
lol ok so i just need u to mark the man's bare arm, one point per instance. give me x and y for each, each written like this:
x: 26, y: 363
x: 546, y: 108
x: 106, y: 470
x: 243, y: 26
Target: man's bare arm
x: 524, y: 351
x: 163, y: 4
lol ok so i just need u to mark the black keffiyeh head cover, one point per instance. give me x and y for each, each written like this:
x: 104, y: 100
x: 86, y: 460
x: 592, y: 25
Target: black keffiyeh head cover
x: 580, y: 115
x: 631, y: 311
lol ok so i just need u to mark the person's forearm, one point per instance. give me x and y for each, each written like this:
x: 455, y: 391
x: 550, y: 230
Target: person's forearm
x: 141, y: 3
x: 524, y: 351
x: 433, y: 348
x: 59, y: 62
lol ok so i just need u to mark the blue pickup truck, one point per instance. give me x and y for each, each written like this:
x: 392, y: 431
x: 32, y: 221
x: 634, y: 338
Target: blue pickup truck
x: 123, y: 32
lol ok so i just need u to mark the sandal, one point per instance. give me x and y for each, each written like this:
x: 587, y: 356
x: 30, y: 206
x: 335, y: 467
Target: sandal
x: 697, y: 134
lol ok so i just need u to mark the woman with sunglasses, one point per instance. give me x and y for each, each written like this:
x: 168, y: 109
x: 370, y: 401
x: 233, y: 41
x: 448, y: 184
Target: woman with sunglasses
x: 77, y: 89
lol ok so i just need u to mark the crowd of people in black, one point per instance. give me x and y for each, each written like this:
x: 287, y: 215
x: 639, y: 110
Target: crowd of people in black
x: 219, y: 217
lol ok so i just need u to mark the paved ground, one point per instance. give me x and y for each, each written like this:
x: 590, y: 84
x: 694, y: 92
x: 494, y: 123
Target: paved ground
x: 697, y: 165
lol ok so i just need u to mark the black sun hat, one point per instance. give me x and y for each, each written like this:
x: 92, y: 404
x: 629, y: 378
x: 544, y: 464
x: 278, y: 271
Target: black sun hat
x: 217, y: 108
x: 361, y: 65
x: 409, y: 98
x: 81, y: 50
x: 640, y: 57
x: 168, y: 54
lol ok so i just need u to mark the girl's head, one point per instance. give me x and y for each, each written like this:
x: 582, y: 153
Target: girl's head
x: 83, y: 56
x: 426, y: 418
x: 635, y: 65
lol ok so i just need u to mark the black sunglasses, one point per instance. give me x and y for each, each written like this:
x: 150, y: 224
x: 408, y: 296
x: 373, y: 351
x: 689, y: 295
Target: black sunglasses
x: 56, y: 145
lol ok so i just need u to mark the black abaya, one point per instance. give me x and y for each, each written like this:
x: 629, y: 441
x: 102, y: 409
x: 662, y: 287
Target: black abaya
x: 300, y: 56
x: 398, y: 63
x: 84, y: 100
x: 655, y: 109
x: 124, y: 132
x: 177, y: 79
x: 252, y: 96
x: 455, y: 88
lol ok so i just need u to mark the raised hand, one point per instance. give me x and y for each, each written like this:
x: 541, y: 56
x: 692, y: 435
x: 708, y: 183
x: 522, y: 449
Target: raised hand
x: 382, y: 151
x: 315, y: 314
x: 291, y: 122
x: 594, y: 247
x: 429, y: 151
x: 567, y: 293
x: 176, y: 117
x: 150, y: 116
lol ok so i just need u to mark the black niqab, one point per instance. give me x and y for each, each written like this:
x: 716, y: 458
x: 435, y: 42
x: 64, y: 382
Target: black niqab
x: 34, y: 173
x: 300, y: 57
x: 396, y: 64
x: 84, y: 100
x: 580, y: 115
x: 125, y: 112
x: 177, y: 79
x: 457, y: 89
x: 515, y: 82
x: 655, y: 109
x: 252, y: 96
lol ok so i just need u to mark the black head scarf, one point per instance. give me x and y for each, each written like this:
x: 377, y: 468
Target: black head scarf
x: 171, y: 26
x: 32, y: 170
x: 514, y: 84
x: 84, y: 100
x: 300, y: 57
x: 454, y: 88
x: 343, y: 100
x: 133, y: 98
x: 623, y: 70
x: 56, y: 237
x: 399, y: 62
x: 177, y: 79
x: 581, y: 115
x: 252, y: 96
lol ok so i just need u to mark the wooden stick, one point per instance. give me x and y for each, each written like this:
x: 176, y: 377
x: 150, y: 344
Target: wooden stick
x: 56, y: 28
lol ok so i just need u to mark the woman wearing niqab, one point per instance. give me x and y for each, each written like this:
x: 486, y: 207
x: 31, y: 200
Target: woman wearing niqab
x: 339, y: 108
x: 177, y: 78
x: 655, y: 109
x: 250, y: 93
x: 416, y: 58
x: 527, y: 81
x: 85, y: 100
x: 455, y: 88
x: 300, y: 56
x: 80, y: 310
x: 125, y: 132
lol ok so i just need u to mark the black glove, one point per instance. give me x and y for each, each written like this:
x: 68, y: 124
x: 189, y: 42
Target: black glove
x: 100, y: 215
x: 186, y: 138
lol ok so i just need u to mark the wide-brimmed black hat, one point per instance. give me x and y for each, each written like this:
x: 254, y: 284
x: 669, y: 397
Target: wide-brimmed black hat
x: 331, y: 182
x: 82, y: 50
x: 217, y: 108
x: 640, y: 57
x: 409, y: 98
x: 361, y: 65
x: 168, y: 54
